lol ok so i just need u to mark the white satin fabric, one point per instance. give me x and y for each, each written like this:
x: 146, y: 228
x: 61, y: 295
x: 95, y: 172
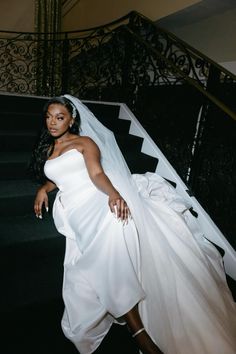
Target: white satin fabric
x: 164, y: 263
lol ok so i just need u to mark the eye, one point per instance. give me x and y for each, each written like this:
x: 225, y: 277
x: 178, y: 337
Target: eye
x: 60, y: 117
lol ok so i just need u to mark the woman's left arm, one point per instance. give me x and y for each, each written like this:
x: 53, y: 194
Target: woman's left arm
x: 91, y: 155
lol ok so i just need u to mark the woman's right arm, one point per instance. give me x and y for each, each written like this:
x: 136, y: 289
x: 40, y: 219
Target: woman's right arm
x: 42, y: 198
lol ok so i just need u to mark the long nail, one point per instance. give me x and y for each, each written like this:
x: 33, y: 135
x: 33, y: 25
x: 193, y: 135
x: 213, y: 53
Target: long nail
x: 47, y: 209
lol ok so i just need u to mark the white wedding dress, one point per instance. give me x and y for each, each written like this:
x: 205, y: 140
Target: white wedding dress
x: 170, y: 269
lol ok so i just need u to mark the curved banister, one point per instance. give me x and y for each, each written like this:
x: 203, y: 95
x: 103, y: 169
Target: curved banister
x: 130, y: 22
x: 191, y: 81
x: 185, y: 44
x: 131, y: 60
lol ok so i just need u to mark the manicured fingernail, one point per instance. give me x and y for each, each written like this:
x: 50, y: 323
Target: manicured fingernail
x: 47, y: 209
x: 40, y: 216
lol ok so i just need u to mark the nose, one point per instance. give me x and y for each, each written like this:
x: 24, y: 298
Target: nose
x: 53, y: 121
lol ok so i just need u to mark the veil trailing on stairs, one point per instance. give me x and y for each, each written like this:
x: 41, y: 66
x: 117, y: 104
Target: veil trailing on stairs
x: 188, y: 307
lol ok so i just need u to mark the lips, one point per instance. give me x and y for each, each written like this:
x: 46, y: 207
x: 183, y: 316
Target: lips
x: 52, y: 131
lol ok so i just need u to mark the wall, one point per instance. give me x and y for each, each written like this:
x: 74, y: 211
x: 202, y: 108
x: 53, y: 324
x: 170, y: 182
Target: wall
x: 90, y: 13
x: 17, y: 15
x: 213, y: 35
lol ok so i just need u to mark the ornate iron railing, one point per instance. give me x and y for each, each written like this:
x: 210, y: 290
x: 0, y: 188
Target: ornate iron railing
x: 186, y: 63
x: 185, y: 101
x: 130, y: 50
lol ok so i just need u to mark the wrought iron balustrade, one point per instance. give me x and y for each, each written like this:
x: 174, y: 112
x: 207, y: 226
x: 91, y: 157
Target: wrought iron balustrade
x: 185, y: 100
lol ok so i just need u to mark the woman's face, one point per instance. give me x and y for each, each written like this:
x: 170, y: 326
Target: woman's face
x: 58, y: 120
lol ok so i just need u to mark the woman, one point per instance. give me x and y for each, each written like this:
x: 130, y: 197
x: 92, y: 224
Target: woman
x: 130, y: 254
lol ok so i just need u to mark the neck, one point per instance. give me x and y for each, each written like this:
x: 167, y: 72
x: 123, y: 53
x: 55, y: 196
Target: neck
x: 62, y: 138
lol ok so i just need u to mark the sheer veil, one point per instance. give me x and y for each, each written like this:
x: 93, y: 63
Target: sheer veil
x: 112, y: 159
x: 116, y: 168
x: 165, y: 251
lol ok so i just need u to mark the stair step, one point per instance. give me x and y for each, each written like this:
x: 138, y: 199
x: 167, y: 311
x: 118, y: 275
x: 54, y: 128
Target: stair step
x: 137, y: 161
x: 14, y: 156
x: 44, y: 334
x: 17, y: 188
x: 19, y: 229
x: 141, y: 163
x: 17, y: 197
x: 17, y: 140
x: 12, y: 120
x: 22, y: 103
x: 31, y: 271
x: 128, y: 142
x: 14, y: 164
x: 108, y: 116
x: 103, y: 111
x: 38, y: 329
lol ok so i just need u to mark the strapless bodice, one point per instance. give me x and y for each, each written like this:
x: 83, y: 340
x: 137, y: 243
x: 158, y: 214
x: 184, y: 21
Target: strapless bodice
x: 67, y: 170
x: 79, y: 206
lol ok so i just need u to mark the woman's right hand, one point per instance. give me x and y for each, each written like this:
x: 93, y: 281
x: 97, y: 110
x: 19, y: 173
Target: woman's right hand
x: 119, y: 207
x: 40, y: 199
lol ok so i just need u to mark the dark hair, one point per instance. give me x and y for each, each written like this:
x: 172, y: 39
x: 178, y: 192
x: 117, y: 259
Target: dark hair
x: 45, y: 143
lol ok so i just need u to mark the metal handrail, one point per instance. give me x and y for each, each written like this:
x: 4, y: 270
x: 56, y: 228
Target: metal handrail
x: 186, y: 45
x: 191, y: 81
x: 127, y: 22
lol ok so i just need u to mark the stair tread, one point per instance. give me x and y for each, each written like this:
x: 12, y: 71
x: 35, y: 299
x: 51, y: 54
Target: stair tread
x: 34, y: 271
x: 14, y: 156
x: 17, y: 113
x: 22, y: 102
x: 26, y: 228
x: 48, y: 334
x: 17, y: 188
x: 28, y: 132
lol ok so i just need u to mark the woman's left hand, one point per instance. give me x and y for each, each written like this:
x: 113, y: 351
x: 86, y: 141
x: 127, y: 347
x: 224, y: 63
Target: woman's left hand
x: 119, y: 207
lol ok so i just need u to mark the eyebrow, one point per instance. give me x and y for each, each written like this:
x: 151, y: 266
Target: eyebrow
x: 59, y: 113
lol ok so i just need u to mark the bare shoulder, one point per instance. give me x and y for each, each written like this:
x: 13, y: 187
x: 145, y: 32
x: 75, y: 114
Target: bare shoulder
x: 87, y: 143
x: 88, y: 146
x: 80, y: 142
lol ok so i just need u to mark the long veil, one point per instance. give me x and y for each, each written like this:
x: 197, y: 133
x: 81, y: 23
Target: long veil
x: 164, y: 262
x: 116, y: 168
x: 112, y: 159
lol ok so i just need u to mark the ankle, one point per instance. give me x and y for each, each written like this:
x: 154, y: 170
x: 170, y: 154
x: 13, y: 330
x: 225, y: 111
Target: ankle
x: 145, y: 343
x: 138, y: 332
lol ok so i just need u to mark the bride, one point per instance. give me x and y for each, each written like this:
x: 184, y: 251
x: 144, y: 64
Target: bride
x: 131, y: 257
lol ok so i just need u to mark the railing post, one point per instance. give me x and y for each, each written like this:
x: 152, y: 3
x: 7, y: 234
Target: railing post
x: 42, y: 65
x: 194, y: 166
x: 65, y: 66
x: 213, y: 81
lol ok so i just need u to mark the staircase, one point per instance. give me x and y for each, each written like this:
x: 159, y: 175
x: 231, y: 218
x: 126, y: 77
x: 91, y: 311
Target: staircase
x: 31, y: 250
